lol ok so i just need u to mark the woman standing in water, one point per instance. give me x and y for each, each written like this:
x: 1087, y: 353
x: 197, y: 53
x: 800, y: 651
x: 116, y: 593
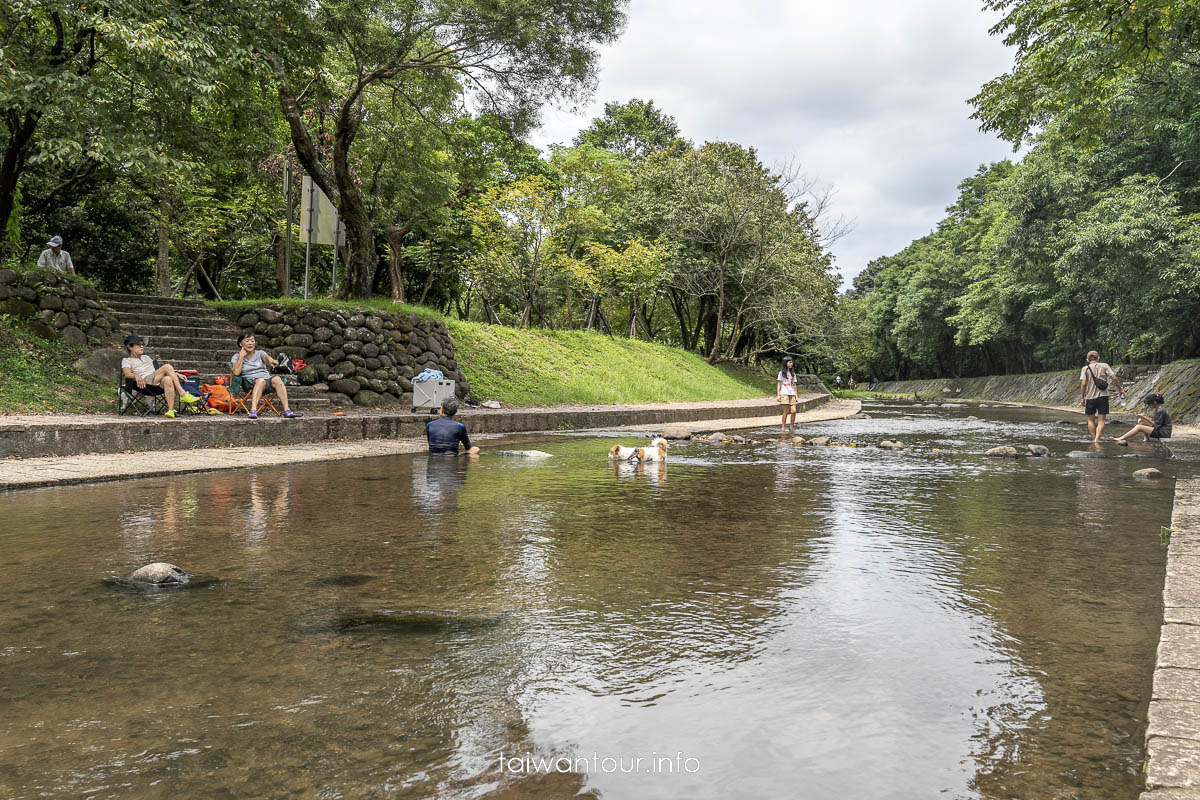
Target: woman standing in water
x: 785, y: 388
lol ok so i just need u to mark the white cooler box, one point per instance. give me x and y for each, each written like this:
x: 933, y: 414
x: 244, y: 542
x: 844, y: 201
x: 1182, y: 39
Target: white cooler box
x: 430, y: 394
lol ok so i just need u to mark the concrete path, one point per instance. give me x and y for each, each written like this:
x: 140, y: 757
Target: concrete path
x: 834, y: 409
x: 1173, y: 732
x: 29, y: 473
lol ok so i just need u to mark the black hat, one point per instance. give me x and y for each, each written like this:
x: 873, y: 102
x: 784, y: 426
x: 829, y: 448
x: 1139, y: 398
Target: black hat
x: 133, y: 339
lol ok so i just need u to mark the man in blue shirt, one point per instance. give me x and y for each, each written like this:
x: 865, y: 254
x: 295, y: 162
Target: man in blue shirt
x: 444, y: 433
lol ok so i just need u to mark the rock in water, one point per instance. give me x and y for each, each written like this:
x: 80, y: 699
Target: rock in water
x: 523, y: 453
x: 677, y: 432
x: 799, y: 440
x: 1038, y: 450
x: 820, y: 441
x: 972, y: 419
x: 717, y: 437
x: 1085, y: 454
x: 1149, y: 473
x: 160, y: 573
x: 888, y: 444
x: 1002, y: 452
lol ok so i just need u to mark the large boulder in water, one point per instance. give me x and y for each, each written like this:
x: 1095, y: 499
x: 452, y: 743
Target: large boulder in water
x: 1004, y: 451
x: 677, y: 432
x: 888, y: 444
x: 160, y: 573
x: 1038, y: 450
x: 1150, y: 473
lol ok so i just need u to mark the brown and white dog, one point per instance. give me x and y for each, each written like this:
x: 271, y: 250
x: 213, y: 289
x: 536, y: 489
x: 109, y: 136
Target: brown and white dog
x: 657, y: 451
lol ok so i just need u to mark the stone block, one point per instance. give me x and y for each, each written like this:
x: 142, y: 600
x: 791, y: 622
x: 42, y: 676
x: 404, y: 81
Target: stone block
x: 320, y: 348
x: 270, y: 316
x: 356, y: 360
x: 373, y: 324
x: 1179, y: 646
x: 74, y: 336
x: 8, y: 276
x: 17, y: 307
x: 248, y: 320
x: 352, y: 347
x: 370, y: 350
x: 51, y: 302
x: 298, y: 340
x: 103, y: 363
x: 322, y: 334
x: 1176, y: 718
x: 348, y: 370
x: 1173, y: 763
x: 346, y: 386
x: 356, y: 320
x: 60, y: 320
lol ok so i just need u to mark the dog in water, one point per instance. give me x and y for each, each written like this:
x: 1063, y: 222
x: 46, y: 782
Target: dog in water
x: 657, y: 451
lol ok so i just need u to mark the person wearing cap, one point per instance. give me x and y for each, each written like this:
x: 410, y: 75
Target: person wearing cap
x: 138, y: 369
x: 54, y: 257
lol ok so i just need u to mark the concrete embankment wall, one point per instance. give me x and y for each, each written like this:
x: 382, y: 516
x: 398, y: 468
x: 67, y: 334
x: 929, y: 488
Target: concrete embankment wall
x: 1177, y: 382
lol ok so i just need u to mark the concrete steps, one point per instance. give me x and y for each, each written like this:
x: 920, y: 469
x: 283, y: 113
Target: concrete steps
x: 190, y: 335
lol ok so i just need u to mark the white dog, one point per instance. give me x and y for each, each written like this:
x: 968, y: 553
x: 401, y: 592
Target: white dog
x: 657, y: 451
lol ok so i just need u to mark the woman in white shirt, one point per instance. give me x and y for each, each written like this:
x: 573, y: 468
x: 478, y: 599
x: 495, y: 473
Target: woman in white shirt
x: 785, y: 388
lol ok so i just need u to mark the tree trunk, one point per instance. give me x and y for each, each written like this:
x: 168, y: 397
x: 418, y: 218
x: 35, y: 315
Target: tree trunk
x: 162, y: 265
x: 395, y: 239
x: 20, y: 137
x: 632, y: 317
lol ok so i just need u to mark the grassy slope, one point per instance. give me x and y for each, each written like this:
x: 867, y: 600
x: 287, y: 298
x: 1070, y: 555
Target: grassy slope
x: 528, y: 367
x: 540, y: 367
x: 36, y: 376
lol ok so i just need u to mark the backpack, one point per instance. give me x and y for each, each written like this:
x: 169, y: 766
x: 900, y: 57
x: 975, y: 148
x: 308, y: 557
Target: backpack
x: 218, y: 397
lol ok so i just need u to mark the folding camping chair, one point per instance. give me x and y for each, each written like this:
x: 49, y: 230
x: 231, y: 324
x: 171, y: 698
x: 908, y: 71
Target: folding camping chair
x: 241, y: 392
x: 143, y: 402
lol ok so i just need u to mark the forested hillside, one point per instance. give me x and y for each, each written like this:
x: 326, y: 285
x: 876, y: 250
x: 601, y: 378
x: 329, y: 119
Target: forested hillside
x: 159, y: 145
x: 1091, y: 239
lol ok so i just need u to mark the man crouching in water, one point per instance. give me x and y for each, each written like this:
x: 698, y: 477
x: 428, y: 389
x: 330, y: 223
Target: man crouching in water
x: 445, y: 432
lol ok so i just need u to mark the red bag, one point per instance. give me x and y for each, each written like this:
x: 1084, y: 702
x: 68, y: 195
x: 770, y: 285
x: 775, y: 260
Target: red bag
x: 218, y: 397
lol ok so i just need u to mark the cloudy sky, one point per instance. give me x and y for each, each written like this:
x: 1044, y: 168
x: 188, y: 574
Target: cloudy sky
x: 866, y: 95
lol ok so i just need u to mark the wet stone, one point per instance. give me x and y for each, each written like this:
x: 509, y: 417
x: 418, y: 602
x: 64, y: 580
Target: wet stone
x: 1172, y: 683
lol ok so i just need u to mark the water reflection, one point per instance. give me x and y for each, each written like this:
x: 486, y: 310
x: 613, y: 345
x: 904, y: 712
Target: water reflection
x: 860, y: 623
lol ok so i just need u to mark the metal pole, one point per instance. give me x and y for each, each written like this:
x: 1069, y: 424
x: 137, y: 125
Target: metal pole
x: 287, y: 243
x: 308, y: 243
x: 337, y: 238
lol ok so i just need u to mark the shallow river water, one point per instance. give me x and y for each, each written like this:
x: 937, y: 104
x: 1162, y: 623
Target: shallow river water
x: 751, y: 620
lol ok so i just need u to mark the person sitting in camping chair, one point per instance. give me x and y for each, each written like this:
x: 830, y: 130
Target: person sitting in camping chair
x: 251, y: 369
x: 143, y: 377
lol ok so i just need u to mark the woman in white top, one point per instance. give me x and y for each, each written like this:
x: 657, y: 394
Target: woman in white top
x: 138, y: 369
x: 785, y: 388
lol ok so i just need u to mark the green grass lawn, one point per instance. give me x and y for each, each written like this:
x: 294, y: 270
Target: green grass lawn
x: 376, y: 303
x: 541, y: 367
x: 36, y: 375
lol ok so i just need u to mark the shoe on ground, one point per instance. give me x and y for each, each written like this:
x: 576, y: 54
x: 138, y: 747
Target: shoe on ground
x: 252, y: 415
x: 215, y: 411
x: 289, y: 414
x: 189, y: 398
x: 170, y: 414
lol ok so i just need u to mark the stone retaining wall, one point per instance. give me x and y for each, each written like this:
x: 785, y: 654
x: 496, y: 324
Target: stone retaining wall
x: 1178, y: 382
x: 368, y: 355
x: 56, y: 305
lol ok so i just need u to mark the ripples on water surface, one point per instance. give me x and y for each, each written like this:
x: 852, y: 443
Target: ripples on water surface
x: 802, y: 622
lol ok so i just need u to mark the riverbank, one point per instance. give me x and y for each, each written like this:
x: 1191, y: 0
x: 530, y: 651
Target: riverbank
x: 1178, y: 382
x: 93, y: 467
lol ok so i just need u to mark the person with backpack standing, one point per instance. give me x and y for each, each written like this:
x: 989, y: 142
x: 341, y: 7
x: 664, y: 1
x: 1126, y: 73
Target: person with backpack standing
x: 1093, y: 392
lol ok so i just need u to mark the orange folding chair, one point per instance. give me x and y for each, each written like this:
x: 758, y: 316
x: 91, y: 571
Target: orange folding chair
x: 241, y: 392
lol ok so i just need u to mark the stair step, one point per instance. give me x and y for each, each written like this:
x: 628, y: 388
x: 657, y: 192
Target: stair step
x: 150, y: 300
x: 217, y: 337
x: 196, y: 323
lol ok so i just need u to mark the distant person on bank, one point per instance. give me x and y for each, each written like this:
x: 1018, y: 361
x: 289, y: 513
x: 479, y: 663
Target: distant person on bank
x: 445, y: 433
x: 251, y: 365
x: 785, y: 388
x: 54, y: 257
x: 1155, y: 425
x: 138, y: 369
x: 1093, y: 392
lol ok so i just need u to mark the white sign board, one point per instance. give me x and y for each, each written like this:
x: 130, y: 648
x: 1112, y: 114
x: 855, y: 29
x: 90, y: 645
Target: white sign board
x: 318, y: 216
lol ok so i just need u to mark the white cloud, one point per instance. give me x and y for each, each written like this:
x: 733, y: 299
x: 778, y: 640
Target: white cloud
x: 869, y: 95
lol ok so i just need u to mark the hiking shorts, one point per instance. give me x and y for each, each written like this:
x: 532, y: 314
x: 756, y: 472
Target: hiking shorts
x: 1097, y: 405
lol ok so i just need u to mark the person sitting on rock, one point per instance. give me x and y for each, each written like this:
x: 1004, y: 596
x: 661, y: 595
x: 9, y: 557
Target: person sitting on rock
x: 251, y: 368
x: 1156, y: 425
x: 138, y: 369
x: 445, y: 432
